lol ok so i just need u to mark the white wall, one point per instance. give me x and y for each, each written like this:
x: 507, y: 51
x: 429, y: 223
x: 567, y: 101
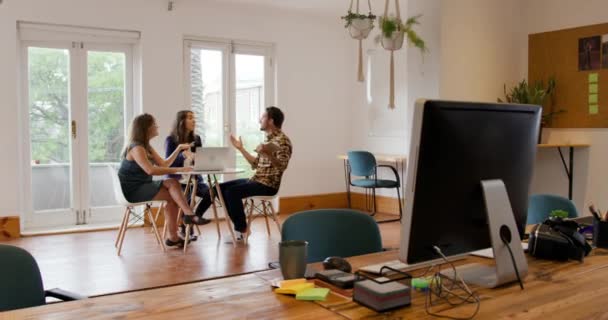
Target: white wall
x: 307, y: 48
x: 590, y: 172
x: 480, y: 48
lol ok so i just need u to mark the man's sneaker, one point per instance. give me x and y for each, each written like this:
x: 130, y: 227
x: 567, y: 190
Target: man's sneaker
x: 182, y: 233
x: 240, y: 236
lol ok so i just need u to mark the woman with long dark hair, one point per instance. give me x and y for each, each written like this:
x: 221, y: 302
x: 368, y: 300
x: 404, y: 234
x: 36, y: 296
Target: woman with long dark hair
x: 141, y: 162
x: 183, y: 133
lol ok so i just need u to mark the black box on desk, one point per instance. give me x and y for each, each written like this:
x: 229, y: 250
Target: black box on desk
x: 383, y: 294
x: 600, y: 233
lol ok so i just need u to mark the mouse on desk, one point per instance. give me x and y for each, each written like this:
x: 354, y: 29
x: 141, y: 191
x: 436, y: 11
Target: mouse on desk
x: 337, y: 263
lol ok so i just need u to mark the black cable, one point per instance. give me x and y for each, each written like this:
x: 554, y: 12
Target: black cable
x: 521, y: 284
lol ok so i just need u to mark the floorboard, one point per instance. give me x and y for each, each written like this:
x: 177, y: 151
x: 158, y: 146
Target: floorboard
x: 87, y: 263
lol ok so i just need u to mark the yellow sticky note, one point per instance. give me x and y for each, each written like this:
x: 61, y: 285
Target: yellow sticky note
x: 593, y: 77
x: 593, y: 99
x: 287, y: 283
x: 294, y: 289
x: 593, y: 88
x: 593, y: 109
x: 313, y: 294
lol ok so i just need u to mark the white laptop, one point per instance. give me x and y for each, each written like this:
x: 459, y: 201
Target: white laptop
x: 211, y: 159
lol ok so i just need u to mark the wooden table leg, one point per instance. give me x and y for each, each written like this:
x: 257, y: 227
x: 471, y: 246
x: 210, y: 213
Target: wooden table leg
x: 193, y: 199
x: 227, y: 218
x: 212, y: 195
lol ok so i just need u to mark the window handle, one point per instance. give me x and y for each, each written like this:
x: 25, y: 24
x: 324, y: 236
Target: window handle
x: 73, y: 129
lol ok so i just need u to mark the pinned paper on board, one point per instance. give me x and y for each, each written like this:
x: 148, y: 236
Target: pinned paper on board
x: 593, y: 109
x: 593, y: 88
x: 589, y: 53
x: 593, y: 99
x: 593, y: 77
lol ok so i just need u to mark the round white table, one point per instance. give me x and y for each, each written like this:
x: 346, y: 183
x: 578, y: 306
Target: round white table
x: 191, y: 180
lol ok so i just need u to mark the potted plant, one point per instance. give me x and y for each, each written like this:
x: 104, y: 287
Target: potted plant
x: 359, y: 25
x: 536, y: 94
x: 559, y: 214
x: 394, y: 31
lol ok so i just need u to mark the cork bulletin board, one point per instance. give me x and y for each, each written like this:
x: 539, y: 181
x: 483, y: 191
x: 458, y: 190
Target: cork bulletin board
x: 575, y: 58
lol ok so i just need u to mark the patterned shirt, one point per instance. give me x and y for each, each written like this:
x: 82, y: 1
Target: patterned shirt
x: 266, y: 172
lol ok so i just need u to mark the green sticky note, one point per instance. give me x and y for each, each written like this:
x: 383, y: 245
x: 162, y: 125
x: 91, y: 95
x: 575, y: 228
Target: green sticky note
x: 593, y: 109
x: 593, y: 88
x: 593, y: 77
x: 313, y: 294
x: 593, y: 99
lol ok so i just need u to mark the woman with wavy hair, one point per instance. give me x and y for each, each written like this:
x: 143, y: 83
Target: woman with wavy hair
x: 183, y: 132
x: 140, y: 162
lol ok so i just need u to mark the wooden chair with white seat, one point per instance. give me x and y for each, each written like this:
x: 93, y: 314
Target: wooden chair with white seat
x: 261, y: 206
x: 130, y: 212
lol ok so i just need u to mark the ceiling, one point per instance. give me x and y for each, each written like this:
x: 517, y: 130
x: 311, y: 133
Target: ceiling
x: 320, y: 7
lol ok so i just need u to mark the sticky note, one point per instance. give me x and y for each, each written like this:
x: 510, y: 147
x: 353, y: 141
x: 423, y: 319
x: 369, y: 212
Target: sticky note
x: 313, y: 294
x: 593, y: 88
x: 593, y: 77
x: 294, y: 289
x: 593, y: 109
x: 287, y: 283
x: 593, y: 99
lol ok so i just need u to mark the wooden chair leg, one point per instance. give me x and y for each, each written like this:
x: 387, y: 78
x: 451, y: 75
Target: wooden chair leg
x: 148, y: 214
x: 249, y: 223
x: 158, y: 239
x: 124, y: 231
x: 122, y: 225
x: 275, y: 217
x: 188, y: 227
x: 265, y: 213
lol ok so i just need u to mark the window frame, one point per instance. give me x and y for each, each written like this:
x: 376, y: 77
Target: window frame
x: 230, y: 48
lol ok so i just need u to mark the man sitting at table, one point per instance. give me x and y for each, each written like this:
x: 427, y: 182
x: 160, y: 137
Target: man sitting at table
x: 270, y: 162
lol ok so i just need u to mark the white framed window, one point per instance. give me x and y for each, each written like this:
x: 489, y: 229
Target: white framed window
x: 228, y: 86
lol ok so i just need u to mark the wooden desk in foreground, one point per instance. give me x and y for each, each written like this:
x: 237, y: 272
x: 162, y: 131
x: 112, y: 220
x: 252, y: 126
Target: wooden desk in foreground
x: 553, y: 291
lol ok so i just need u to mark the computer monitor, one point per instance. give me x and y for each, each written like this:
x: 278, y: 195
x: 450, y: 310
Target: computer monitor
x: 455, y: 146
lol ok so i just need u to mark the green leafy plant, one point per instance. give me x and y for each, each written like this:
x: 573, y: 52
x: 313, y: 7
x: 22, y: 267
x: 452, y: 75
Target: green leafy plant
x: 536, y: 94
x: 353, y: 16
x: 390, y: 24
x: 559, y: 214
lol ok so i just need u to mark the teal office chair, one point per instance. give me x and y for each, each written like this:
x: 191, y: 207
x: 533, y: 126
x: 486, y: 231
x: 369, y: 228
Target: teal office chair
x: 21, y: 283
x: 541, y: 205
x: 363, y: 164
x: 333, y: 232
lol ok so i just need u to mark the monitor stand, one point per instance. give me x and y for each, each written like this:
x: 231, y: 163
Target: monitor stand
x: 500, y: 219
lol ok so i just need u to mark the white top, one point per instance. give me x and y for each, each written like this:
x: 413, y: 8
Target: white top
x: 203, y: 172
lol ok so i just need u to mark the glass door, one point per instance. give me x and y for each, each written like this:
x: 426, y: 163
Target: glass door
x: 106, y: 120
x: 79, y: 103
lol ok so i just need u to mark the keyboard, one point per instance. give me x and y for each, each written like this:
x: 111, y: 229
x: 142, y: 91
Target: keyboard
x: 375, y: 268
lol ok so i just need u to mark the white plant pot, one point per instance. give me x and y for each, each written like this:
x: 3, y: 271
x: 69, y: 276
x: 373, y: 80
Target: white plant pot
x: 395, y: 42
x: 360, y: 28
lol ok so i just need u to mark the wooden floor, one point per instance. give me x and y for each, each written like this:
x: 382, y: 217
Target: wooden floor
x: 87, y: 263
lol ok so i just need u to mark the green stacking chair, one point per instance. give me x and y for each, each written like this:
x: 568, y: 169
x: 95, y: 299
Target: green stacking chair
x: 363, y: 164
x: 21, y: 282
x: 541, y: 205
x: 333, y: 232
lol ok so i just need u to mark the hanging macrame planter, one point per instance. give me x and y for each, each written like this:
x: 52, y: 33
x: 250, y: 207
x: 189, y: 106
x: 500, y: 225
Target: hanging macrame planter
x: 359, y: 26
x: 392, y: 38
